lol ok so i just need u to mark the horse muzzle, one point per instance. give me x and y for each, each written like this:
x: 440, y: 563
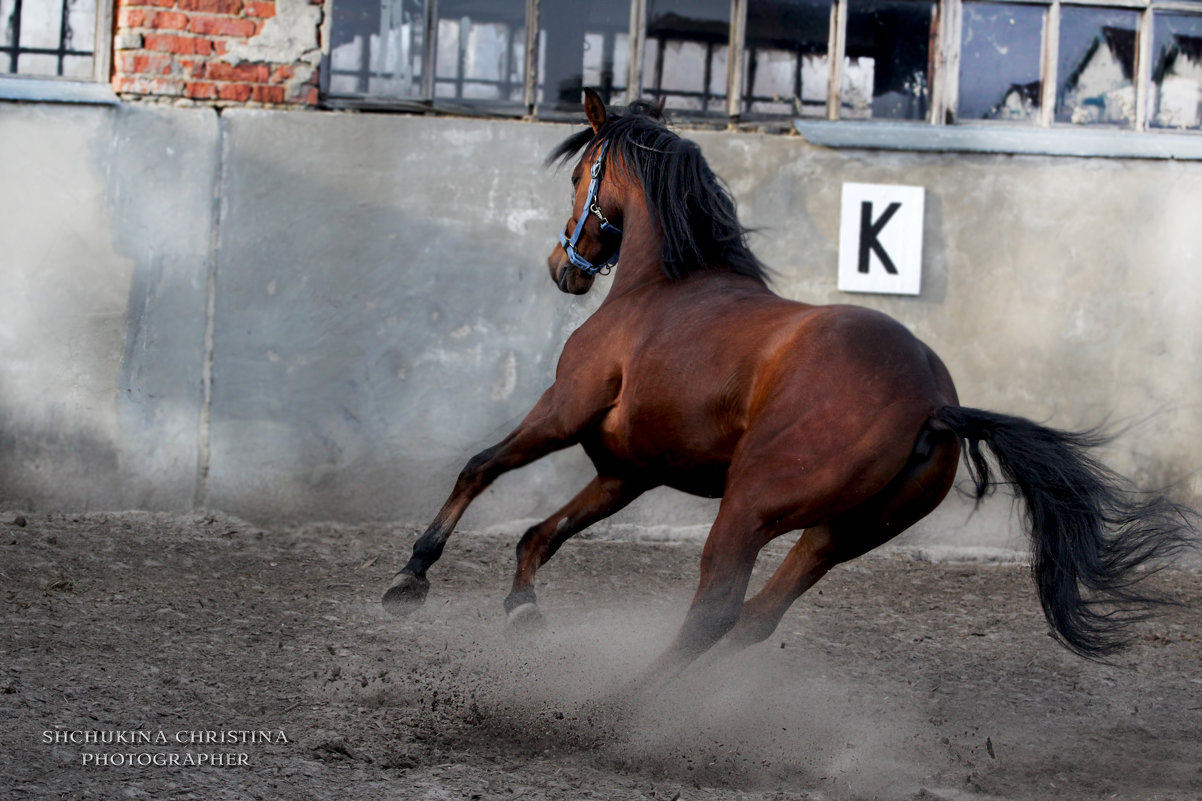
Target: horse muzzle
x: 565, y: 276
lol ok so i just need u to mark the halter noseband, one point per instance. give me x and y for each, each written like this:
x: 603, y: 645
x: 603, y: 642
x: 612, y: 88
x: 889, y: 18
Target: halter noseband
x: 591, y: 207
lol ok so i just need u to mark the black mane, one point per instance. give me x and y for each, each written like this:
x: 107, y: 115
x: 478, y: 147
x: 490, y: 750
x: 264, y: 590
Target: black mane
x: 692, y: 206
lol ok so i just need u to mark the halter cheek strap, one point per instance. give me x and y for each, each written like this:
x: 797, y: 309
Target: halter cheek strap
x: 591, y: 207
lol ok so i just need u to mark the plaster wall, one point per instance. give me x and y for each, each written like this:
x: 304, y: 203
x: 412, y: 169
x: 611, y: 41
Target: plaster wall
x: 106, y: 217
x: 299, y: 316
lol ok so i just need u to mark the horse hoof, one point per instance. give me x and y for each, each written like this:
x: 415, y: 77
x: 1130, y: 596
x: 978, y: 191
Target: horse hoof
x: 406, y: 594
x: 526, y: 619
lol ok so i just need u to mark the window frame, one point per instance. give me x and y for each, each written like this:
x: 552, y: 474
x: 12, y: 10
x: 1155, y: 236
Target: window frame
x: 943, y: 76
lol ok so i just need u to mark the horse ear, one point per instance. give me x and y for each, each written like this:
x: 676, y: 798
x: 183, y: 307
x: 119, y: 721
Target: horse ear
x: 594, y: 109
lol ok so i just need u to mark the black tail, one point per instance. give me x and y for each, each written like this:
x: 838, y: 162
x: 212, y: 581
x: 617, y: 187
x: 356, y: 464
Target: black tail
x: 1090, y: 530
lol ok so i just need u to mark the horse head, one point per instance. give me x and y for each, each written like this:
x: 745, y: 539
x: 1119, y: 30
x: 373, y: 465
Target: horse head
x: 641, y: 188
x: 590, y: 241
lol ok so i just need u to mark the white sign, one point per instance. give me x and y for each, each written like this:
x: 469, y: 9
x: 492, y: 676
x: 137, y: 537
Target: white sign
x: 880, y: 239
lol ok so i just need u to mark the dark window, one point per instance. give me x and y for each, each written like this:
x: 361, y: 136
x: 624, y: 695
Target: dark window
x: 786, y: 62
x: 582, y: 43
x: 459, y: 51
x: 1029, y: 62
x: 886, y: 71
x: 378, y: 49
x: 687, y: 46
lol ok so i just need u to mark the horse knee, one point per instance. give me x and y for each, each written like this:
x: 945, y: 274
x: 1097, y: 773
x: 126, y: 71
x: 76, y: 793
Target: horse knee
x: 478, y: 473
x: 524, y: 543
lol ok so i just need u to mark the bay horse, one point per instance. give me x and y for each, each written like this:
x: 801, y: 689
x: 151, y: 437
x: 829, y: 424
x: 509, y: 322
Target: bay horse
x: 834, y: 420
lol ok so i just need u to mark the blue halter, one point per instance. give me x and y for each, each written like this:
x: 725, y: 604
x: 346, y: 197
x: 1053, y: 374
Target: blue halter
x: 591, y: 207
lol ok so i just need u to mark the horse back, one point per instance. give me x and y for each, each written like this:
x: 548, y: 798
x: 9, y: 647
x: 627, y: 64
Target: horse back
x: 698, y: 372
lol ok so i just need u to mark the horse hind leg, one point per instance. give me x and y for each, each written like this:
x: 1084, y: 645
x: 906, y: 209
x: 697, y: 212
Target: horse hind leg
x: 912, y: 495
x: 810, y: 558
x: 604, y: 496
x: 727, y: 559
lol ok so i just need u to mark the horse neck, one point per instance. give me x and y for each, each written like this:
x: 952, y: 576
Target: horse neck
x: 641, y: 262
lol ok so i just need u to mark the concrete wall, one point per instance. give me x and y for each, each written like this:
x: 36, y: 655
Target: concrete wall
x: 321, y: 316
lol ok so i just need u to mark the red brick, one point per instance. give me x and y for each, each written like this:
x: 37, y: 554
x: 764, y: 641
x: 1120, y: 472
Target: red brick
x: 185, y: 45
x: 147, y: 86
x: 224, y: 26
x: 268, y: 94
x: 281, y: 74
x: 133, y: 17
x: 201, y: 90
x: 144, y: 63
x: 263, y: 9
x: 212, y: 6
x: 169, y: 21
x: 192, y: 68
x: 164, y: 42
x: 246, y: 72
x: 235, y: 91
x: 309, y: 96
x: 126, y: 61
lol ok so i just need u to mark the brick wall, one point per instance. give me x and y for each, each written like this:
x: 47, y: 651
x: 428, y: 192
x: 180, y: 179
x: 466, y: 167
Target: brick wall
x: 218, y: 52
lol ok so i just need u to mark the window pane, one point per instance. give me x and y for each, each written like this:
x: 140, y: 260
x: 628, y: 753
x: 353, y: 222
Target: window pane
x: 1175, y: 99
x: 78, y: 68
x: 785, y: 67
x: 481, y: 50
x: 1000, y: 53
x: 38, y: 64
x: 41, y: 23
x: 6, y: 26
x: 81, y: 26
x: 36, y: 40
x: 685, y: 57
x: 376, y: 48
x: 582, y: 43
x: 887, y: 58
x: 1097, y: 66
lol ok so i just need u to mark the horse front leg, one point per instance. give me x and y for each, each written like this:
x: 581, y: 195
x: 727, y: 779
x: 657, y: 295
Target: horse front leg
x: 538, y: 435
x: 604, y: 496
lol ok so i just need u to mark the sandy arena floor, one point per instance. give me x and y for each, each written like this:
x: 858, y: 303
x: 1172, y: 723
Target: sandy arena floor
x: 893, y: 679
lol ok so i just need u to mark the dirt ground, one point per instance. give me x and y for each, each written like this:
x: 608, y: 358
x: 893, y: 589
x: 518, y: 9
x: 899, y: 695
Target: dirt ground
x: 895, y: 678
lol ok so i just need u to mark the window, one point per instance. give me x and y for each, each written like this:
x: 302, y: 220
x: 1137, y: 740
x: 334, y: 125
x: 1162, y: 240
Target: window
x: 586, y: 43
x: 886, y: 60
x: 786, y: 61
x: 1122, y: 64
x: 454, y: 50
x: 1001, y: 59
x: 1175, y: 92
x: 686, y: 52
x: 55, y: 38
x: 1096, y: 66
